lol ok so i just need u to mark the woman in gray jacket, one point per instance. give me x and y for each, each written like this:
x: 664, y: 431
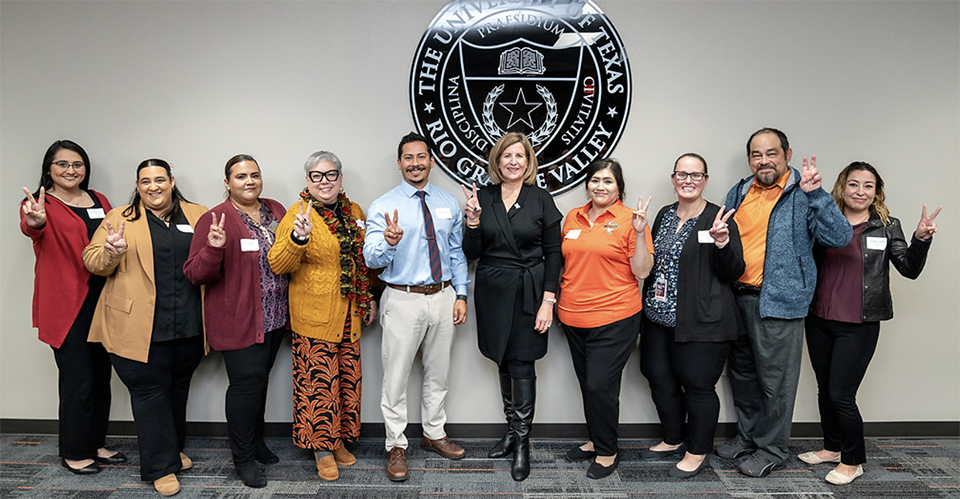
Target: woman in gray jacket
x: 852, y: 297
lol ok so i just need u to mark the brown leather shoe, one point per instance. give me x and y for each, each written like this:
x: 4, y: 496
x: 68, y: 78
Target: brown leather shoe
x: 167, y: 485
x: 327, y: 468
x: 343, y: 456
x: 185, y: 462
x: 397, y: 464
x: 444, y: 446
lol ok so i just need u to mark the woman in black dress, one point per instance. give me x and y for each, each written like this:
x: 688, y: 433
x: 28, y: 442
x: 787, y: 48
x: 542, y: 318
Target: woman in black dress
x: 513, y: 227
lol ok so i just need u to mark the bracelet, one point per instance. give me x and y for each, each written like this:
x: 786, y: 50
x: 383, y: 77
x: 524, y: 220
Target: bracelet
x: 474, y: 226
x: 550, y: 300
x: 462, y: 297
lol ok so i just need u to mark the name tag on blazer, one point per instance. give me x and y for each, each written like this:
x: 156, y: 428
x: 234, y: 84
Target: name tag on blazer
x: 185, y: 228
x: 876, y: 243
x: 704, y: 237
x: 95, y: 213
x: 249, y: 245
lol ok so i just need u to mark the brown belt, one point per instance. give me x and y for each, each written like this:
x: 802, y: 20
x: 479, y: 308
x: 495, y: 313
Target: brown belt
x: 427, y: 289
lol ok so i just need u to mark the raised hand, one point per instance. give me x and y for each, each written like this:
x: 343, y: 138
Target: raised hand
x: 720, y: 232
x: 927, y: 227
x: 115, y: 243
x: 217, y: 238
x: 393, y: 233
x: 810, y: 179
x: 302, y: 226
x: 472, y: 208
x: 33, y: 210
x: 640, y: 215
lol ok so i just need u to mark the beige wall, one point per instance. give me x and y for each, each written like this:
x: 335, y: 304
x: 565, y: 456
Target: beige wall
x: 197, y: 82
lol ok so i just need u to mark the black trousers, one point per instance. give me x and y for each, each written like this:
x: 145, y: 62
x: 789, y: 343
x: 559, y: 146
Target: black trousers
x: 248, y: 370
x: 84, y: 386
x: 599, y: 356
x: 683, y: 379
x: 840, y: 353
x: 158, y: 396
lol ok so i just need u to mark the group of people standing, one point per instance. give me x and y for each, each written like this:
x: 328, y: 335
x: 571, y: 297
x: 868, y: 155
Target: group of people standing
x: 153, y: 285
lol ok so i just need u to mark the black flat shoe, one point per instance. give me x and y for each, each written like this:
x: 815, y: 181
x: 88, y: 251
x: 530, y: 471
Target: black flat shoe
x: 679, y: 474
x: 89, y: 469
x: 117, y: 458
x: 649, y: 454
x: 598, y: 471
x: 264, y: 455
x: 576, y: 454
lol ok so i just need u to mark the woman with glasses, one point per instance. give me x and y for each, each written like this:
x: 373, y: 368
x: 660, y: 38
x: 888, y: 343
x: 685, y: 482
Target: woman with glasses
x: 245, y: 305
x: 320, y: 244
x: 149, y: 316
x: 59, y: 217
x: 689, y: 317
x: 852, y: 297
x: 606, y: 248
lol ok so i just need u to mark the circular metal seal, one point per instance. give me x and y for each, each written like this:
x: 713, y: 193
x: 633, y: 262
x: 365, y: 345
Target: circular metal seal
x: 554, y: 70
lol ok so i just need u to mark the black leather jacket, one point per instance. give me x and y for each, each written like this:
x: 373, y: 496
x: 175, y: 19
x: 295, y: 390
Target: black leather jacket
x: 908, y: 260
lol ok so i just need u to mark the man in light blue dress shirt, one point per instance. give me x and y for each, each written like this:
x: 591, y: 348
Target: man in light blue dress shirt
x: 417, y: 310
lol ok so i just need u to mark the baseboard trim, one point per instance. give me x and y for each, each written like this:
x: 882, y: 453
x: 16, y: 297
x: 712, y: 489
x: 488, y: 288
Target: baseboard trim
x: 914, y: 429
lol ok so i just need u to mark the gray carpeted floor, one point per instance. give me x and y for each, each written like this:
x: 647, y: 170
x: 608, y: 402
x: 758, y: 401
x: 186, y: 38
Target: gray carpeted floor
x: 896, y: 468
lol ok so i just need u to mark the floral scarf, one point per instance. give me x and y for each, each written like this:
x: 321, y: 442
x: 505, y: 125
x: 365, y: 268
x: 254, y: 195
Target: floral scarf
x: 354, y: 276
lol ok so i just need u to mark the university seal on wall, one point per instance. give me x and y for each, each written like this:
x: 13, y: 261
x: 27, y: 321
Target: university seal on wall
x: 555, y: 70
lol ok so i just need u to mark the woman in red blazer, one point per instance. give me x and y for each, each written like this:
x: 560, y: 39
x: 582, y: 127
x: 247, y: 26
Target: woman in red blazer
x: 59, y: 218
x: 245, y: 306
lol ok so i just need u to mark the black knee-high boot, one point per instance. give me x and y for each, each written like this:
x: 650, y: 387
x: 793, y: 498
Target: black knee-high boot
x: 524, y: 400
x: 504, y: 447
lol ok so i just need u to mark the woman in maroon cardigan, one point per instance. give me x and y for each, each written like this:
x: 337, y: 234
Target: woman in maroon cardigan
x: 59, y: 218
x: 245, y: 305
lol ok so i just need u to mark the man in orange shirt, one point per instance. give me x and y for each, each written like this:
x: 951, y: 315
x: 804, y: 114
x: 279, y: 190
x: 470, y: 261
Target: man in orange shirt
x: 781, y: 213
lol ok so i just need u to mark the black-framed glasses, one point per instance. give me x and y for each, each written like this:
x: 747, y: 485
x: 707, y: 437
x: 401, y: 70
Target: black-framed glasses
x: 695, y: 176
x: 317, y: 177
x: 63, y: 164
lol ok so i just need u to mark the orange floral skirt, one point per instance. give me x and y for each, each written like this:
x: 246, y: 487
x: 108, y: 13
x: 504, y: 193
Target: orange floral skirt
x: 326, y: 392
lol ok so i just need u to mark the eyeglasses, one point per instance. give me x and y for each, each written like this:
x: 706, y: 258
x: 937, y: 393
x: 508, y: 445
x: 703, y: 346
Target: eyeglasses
x: 317, y: 177
x: 63, y: 164
x: 695, y: 176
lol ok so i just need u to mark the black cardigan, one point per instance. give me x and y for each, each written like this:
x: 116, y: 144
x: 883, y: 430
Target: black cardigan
x: 706, y: 308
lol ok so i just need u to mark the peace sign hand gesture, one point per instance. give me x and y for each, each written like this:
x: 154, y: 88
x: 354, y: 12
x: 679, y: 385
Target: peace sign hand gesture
x: 302, y: 226
x: 393, y: 233
x: 472, y: 208
x: 33, y: 210
x: 217, y: 238
x: 115, y: 243
x: 640, y: 215
x: 810, y: 179
x: 720, y: 232
x: 927, y: 227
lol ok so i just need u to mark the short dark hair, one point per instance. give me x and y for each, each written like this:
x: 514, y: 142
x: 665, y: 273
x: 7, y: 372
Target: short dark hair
x: 46, y: 181
x: 133, y: 211
x: 784, y: 143
x: 615, y: 169
x: 691, y: 155
x: 237, y: 159
x: 408, y: 138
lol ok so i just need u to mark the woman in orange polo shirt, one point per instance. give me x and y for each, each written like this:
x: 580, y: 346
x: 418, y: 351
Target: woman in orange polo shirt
x: 600, y: 304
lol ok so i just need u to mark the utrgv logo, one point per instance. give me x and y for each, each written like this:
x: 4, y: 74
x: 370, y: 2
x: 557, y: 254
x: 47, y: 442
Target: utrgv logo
x: 554, y: 70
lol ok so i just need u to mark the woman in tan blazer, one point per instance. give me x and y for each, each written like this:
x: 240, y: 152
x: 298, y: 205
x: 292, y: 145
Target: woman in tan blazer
x: 149, y: 316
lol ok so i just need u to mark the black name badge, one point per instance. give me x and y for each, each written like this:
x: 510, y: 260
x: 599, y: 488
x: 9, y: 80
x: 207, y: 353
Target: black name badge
x: 554, y: 70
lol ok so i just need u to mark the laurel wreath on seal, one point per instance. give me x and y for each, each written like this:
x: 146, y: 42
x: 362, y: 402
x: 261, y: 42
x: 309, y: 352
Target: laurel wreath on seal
x: 542, y: 134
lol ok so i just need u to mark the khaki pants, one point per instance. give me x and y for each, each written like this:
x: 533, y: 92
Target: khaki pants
x: 412, y: 322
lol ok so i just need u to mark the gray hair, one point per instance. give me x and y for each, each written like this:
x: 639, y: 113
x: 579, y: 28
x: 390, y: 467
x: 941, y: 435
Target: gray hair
x: 319, y: 156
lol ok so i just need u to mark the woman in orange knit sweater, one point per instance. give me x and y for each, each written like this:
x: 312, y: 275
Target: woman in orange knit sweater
x: 320, y: 244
